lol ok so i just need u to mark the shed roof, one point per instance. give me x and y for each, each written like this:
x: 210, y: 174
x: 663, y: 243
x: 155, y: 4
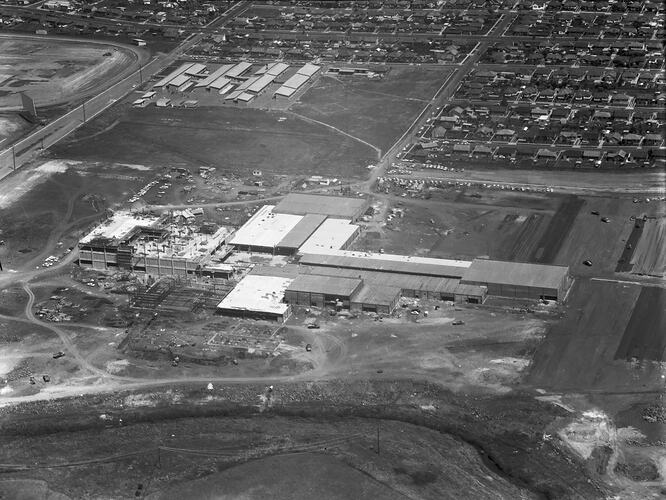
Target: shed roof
x: 309, y: 70
x: 515, y: 273
x: 327, y: 285
x: 296, y: 81
x: 375, y: 294
x: 302, y: 231
x: 374, y: 262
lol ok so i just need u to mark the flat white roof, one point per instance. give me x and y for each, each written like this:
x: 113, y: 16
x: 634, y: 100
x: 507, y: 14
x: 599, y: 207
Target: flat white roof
x: 245, y: 97
x: 332, y: 234
x: 309, y: 69
x: 119, y: 224
x: 255, y: 293
x: 265, y: 229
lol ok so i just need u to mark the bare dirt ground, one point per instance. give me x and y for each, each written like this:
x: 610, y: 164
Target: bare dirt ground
x: 53, y: 71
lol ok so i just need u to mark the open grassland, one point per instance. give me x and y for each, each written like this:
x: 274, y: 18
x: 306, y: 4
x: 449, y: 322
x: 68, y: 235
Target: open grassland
x: 375, y: 110
x: 54, y: 70
x: 233, y: 140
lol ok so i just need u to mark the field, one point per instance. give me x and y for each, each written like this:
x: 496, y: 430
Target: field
x: 579, y: 351
x: 644, y: 337
x: 235, y: 141
x: 649, y: 255
x: 460, y: 227
x: 11, y: 126
x: 53, y: 71
x: 377, y: 111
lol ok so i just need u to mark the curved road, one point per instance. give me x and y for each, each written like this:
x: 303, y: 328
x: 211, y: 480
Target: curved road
x: 139, y: 57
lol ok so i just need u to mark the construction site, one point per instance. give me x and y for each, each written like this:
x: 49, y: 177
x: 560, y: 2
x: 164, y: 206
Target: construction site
x: 295, y: 256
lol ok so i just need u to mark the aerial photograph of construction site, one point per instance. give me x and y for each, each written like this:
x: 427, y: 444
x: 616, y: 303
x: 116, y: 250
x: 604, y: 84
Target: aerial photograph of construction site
x: 294, y: 250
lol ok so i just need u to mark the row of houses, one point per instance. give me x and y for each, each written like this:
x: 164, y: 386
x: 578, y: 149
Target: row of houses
x: 290, y: 46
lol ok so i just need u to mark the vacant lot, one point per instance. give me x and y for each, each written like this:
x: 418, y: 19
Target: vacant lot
x: 649, y: 255
x: 53, y: 71
x: 579, y: 352
x: 234, y: 140
x: 462, y: 230
x: 377, y: 111
x: 644, y: 337
x: 592, y: 239
x: 557, y: 230
x: 42, y: 207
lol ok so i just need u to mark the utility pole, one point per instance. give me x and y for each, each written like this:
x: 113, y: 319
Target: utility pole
x: 377, y: 437
x: 140, y: 75
x: 83, y: 106
x: 14, y: 156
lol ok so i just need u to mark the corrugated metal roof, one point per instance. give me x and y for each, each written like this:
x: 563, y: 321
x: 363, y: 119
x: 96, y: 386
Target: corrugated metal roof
x: 296, y: 81
x: 285, y: 91
x: 515, y: 274
x: 181, y: 69
x: 179, y: 80
x: 302, y: 231
x: 261, y: 83
x: 277, y: 69
x: 327, y: 285
x: 238, y: 70
x: 376, y: 264
x: 309, y: 70
x: 403, y: 281
x: 219, y: 83
x: 245, y: 97
x: 246, y: 84
x: 215, y: 75
x: 195, y: 69
x: 379, y: 295
x: 333, y: 206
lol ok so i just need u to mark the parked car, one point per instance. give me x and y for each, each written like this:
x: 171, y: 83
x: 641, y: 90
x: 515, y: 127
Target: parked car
x: 457, y: 322
x: 58, y: 354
